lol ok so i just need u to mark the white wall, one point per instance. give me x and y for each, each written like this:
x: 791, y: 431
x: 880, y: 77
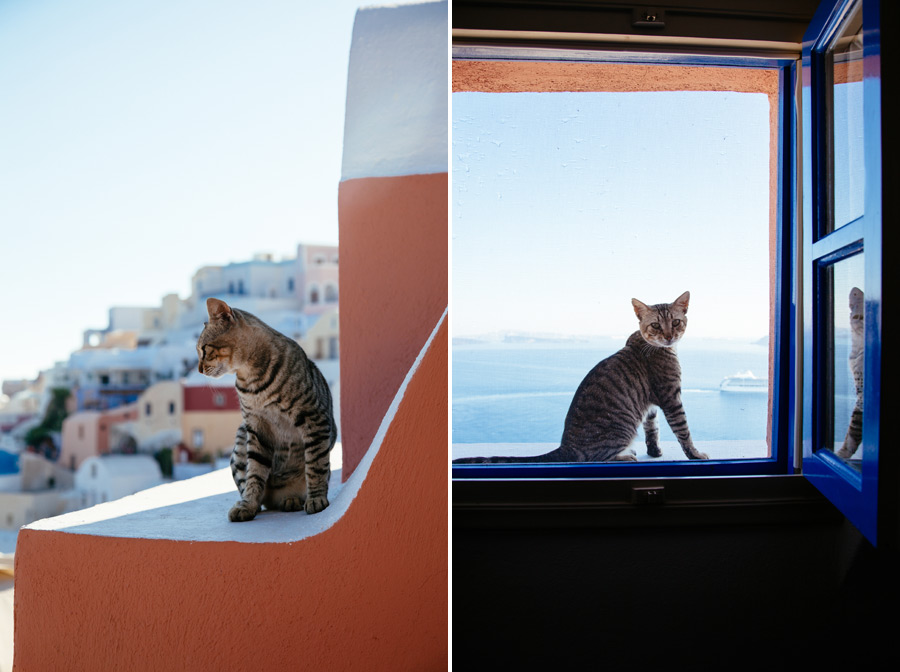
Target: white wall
x: 397, y: 49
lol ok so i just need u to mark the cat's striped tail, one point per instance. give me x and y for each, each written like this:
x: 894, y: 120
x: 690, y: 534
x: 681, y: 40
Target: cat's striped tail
x: 557, y: 455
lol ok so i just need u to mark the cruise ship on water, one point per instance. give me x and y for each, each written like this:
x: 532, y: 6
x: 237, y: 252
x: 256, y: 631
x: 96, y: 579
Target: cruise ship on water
x: 744, y: 382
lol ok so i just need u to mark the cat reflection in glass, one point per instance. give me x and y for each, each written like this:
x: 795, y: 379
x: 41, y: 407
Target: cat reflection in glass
x: 857, y: 363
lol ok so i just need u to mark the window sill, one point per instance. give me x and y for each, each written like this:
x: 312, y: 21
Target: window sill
x: 672, y: 452
x: 196, y: 509
x: 633, y: 502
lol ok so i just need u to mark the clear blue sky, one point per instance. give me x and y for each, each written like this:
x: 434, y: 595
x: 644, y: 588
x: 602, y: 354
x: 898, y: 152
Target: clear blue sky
x: 567, y: 205
x: 141, y: 140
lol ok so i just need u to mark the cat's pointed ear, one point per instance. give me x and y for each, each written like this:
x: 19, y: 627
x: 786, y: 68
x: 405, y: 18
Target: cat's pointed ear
x: 639, y: 308
x: 219, y: 310
x: 682, y: 302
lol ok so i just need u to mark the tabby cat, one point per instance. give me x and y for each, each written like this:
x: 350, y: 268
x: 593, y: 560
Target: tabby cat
x: 281, y: 452
x: 621, y: 391
x: 857, y: 363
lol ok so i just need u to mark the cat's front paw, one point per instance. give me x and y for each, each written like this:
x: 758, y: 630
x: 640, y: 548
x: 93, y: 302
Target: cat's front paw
x: 846, y: 451
x: 241, y: 512
x: 316, y: 504
x: 653, y: 450
x: 697, y: 455
x: 292, y: 504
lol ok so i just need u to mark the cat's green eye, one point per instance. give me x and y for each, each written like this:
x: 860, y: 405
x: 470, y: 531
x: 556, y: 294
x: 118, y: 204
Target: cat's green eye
x: 675, y: 323
x: 655, y: 325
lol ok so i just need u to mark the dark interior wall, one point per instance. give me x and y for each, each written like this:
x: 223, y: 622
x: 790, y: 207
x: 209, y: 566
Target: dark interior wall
x: 713, y: 597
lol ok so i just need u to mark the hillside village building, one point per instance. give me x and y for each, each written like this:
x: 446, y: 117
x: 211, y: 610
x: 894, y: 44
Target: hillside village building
x: 104, y: 479
x: 90, y: 433
x: 135, y: 388
x: 212, y: 414
x: 142, y: 346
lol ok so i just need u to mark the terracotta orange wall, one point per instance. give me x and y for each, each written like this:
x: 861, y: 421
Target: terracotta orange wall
x: 393, y: 247
x: 369, y: 594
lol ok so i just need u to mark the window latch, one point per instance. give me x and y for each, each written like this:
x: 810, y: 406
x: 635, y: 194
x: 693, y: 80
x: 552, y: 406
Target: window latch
x: 648, y: 18
x: 654, y: 495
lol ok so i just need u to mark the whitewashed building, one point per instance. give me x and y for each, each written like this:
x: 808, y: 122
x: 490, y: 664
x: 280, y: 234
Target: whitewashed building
x: 103, y: 479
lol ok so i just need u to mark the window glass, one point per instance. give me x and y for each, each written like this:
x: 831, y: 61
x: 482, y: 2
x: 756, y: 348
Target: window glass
x: 848, y: 337
x: 845, y: 64
x: 567, y: 205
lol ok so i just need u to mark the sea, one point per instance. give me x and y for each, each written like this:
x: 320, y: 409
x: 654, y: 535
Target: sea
x: 519, y: 392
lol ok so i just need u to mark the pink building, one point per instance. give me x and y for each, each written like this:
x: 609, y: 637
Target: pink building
x: 317, y: 277
x: 86, y: 433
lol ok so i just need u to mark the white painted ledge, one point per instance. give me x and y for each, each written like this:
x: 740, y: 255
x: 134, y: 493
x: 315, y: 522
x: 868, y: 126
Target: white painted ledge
x: 197, y: 509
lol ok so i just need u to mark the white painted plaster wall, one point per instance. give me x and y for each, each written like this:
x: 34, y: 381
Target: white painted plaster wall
x: 396, y: 116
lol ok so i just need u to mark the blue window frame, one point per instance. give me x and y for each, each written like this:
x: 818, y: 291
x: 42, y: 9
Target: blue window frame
x: 830, y: 239
x: 783, y: 398
x: 842, y: 212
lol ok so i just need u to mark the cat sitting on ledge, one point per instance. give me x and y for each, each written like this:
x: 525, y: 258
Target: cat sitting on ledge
x: 623, y: 390
x: 281, y: 456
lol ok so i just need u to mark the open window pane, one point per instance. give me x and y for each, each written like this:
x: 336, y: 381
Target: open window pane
x: 566, y: 205
x: 843, y: 261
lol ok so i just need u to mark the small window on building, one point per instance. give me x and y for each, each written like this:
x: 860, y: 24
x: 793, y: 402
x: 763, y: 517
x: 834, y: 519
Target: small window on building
x: 314, y: 294
x: 197, y: 436
x: 290, y: 284
x: 171, y: 408
x: 331, y: 294
x: 148, y: 409
x: 219, y: 399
